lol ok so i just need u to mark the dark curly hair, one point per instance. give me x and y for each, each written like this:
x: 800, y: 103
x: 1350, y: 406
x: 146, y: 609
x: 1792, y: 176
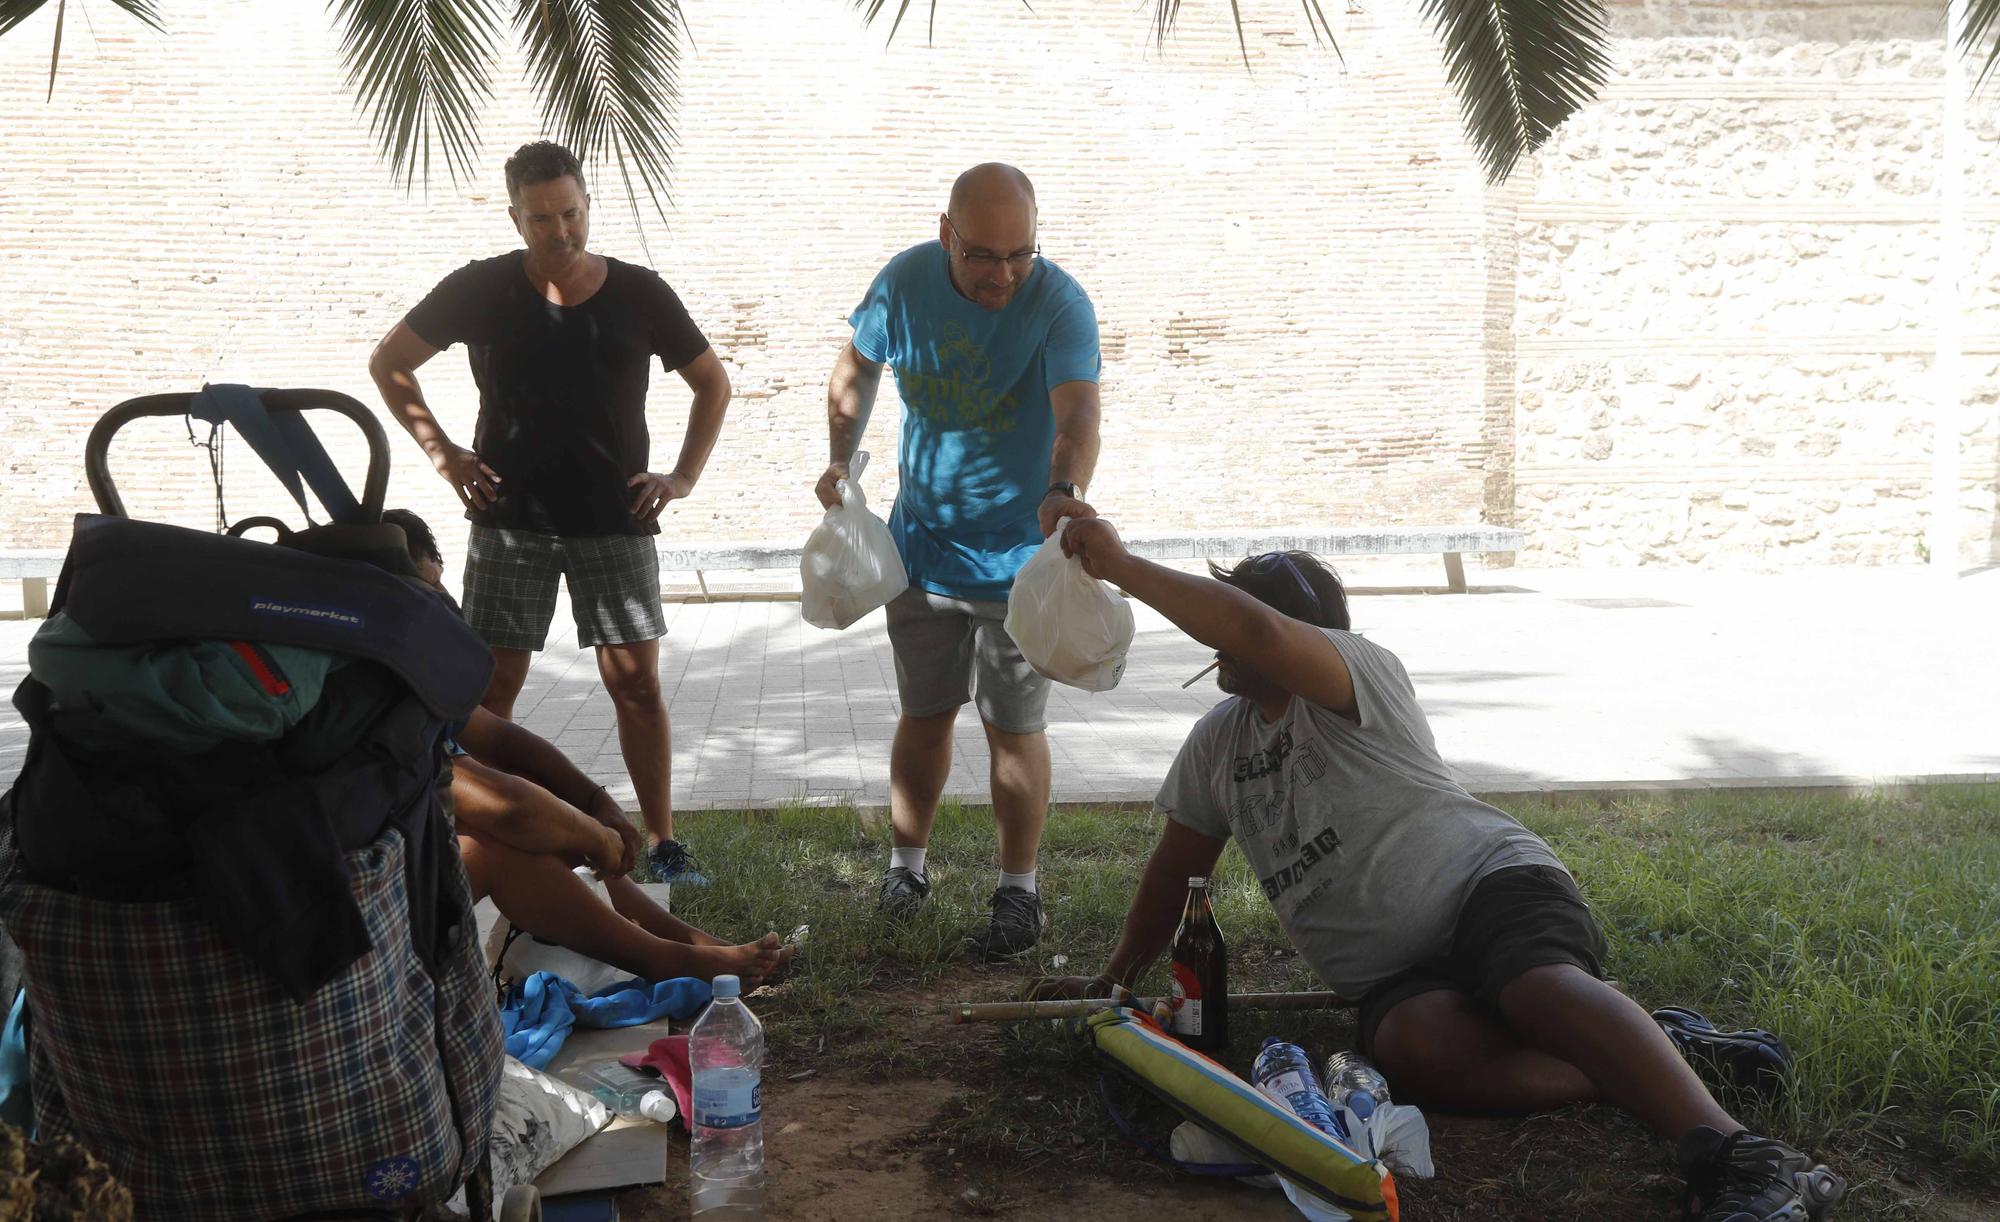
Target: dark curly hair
x: 418, y: 532
x: 542, y: 161
x: 1299, y: 584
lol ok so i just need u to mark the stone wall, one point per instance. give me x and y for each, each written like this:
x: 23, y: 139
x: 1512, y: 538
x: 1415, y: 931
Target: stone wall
x: 1728, y: 296
x: 1695, y: 331
x: 1286, y: 263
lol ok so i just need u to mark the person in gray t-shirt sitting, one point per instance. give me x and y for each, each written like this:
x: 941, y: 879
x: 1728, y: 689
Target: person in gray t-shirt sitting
x: 1477, y: 964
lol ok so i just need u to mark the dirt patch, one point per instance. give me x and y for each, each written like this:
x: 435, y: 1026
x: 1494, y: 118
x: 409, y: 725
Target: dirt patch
x: 992, y: 1122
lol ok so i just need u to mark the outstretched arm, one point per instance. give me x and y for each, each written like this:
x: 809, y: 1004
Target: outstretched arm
x: 1292, y: 654
x: 1150, y: 922
x: 850, y: 397
x: 1074, y: 457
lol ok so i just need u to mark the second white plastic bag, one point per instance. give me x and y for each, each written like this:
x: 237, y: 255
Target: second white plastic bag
x: 1070, y: 626
x: 850, y: 565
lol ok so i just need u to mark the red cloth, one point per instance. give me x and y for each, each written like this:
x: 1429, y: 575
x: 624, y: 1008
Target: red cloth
x: 668, y: 1058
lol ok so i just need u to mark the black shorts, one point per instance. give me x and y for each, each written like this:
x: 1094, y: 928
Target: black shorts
x: 1515, y: 919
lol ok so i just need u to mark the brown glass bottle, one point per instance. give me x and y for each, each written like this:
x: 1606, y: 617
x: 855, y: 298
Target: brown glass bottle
x: 1200, y: 1015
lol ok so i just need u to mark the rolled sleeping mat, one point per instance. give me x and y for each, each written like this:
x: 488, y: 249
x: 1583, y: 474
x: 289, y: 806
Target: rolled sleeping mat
x: 1226, y: 1105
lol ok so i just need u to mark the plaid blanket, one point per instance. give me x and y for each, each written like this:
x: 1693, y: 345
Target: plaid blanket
x: 212, y: 1095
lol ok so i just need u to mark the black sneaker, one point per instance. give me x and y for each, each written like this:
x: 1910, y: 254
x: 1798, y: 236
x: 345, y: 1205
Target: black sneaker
x: 904, y: 893
x: 1757, y: 1061
x: 1746, y: 1178
x: 1016, y: 925
x: 673, y: 863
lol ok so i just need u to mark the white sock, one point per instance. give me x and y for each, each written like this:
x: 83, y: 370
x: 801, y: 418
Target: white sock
x: 908, y: 859
x: 1025, y: 882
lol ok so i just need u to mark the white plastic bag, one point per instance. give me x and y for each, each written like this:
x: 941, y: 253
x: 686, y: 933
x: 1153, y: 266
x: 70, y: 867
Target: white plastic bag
x: 1070, y: 626
x: 850, y: 565
x: 527, y: 954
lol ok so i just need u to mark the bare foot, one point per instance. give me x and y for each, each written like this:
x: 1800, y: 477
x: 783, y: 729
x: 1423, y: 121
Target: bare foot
x: 750, y: 962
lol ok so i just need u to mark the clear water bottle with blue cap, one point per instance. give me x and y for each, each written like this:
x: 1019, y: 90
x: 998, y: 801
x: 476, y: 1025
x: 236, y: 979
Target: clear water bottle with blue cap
x: 726, y: 1146
x: 1354, y: 1083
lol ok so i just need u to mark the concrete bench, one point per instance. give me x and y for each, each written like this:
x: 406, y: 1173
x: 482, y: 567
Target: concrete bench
x: 32, y: 567
x: 1451, y: 542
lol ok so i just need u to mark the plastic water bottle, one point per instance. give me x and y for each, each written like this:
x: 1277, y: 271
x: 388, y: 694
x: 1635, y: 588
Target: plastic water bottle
x: 1283, y: 1072
x: 628, y: 1091
x: 1355, y: 1084
x: 726, y: 1150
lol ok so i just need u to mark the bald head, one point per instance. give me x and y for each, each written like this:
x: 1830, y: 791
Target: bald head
x: 991, y: 184
x: 989, y: 232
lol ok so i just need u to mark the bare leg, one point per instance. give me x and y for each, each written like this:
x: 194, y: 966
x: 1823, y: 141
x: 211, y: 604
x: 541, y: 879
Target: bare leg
x: 1442, y: 1050
x: 1020, y: 779
x: 635, y: 905
x: 631, y: 674
x: 919, y: 763
x: 541, y: 895
x: 1608, y: 1037
x: 510, y: 671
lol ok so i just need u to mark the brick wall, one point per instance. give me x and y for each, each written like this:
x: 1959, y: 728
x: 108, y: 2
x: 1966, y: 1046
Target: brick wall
x: 1313, y: 311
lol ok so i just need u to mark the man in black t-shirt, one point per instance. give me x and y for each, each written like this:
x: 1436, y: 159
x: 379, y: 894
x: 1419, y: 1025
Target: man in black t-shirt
x: 557, y: 483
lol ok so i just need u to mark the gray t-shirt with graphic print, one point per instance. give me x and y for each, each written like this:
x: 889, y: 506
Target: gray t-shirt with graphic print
x: 1363, y: 842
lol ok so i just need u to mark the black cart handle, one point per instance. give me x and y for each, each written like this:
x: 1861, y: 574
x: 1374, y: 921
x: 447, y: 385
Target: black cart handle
x: 97, y: 449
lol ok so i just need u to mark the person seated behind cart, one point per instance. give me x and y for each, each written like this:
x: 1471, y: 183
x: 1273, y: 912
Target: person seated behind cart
x: 1476, y: 961
x: 526, y: 817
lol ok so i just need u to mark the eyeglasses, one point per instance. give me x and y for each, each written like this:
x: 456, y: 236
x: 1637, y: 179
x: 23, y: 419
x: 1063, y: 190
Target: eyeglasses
x: 1271, y: 561
x: 1020, y: 260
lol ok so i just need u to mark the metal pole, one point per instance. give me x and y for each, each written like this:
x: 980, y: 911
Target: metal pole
x: 1947, y: 369
x: 1021, y: 1011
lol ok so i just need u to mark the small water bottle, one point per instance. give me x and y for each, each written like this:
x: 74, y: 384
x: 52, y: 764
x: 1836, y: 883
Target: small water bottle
x: 726, y: 1147
x: 1284, y: 1072
x: 627, y: 1091
x: 1354, y: 1083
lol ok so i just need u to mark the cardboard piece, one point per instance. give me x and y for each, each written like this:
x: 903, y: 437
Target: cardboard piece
x: 631, y: 1151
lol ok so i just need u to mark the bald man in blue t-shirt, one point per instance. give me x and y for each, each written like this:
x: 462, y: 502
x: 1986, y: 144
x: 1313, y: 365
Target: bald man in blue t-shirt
x: 996, y: 360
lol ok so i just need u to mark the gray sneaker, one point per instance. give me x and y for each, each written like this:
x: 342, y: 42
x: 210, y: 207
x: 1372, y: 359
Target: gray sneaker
x: 1016, y: 926
x: 904, y: 893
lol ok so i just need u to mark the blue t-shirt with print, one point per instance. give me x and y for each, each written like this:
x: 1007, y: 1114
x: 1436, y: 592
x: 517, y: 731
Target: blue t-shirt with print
x: 977, y: 425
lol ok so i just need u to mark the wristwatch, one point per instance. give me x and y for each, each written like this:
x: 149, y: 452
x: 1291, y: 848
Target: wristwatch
x: 1068, y: 490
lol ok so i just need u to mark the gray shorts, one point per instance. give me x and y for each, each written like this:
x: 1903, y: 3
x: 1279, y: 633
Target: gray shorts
x: 510, y: 587
x: 947, y: 649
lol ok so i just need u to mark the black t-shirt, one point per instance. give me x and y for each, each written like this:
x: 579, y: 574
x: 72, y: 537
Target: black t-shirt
x: 562, y: 389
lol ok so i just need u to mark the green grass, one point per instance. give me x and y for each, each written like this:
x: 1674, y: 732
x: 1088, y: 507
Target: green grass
x: 1865, y: 930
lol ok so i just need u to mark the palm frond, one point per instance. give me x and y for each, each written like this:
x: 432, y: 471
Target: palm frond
x: 422, y: 68
x: 606, y: 73
x: 1982, y: 19
x: 14, y: 12
x: 1520, y: 68
x: 871, y: 9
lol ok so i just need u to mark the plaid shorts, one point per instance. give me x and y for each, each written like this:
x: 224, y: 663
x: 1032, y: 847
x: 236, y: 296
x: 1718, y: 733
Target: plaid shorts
x: 510, y: 587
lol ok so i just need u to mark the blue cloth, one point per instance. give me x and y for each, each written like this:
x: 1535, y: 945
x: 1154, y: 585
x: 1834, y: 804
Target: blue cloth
x: 16, y: 1108
x: 539, y: 1011
x: 977, y: 426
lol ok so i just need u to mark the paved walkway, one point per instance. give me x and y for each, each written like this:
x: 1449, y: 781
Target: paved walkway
x: 1549, y: 680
